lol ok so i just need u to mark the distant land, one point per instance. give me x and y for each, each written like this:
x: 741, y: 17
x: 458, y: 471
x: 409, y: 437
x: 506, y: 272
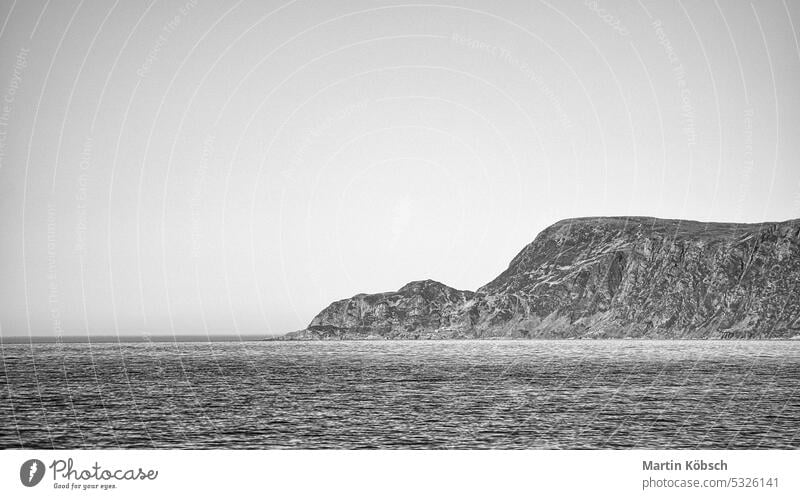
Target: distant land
x: 610, y: 277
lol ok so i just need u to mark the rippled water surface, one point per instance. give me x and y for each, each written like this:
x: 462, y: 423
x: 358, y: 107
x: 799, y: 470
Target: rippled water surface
x: 419, y: 394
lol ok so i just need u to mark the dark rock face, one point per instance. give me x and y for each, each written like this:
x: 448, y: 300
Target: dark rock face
x: 418, y: 310
x: 604, y: 277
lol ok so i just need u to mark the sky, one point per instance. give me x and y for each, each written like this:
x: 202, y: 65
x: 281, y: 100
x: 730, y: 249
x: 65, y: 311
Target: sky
x: 189, y: 166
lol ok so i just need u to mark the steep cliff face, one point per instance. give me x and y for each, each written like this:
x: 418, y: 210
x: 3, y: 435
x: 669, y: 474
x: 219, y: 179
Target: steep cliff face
x: 604, y: 277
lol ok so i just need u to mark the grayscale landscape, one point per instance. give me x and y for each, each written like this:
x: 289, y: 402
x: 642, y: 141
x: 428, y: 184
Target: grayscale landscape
x: 375, y: 224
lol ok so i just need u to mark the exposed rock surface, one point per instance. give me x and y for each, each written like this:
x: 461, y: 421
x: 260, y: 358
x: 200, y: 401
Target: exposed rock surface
x: 420, y: 309
x: 603, y: 277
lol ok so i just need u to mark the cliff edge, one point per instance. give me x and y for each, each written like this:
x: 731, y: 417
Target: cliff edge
x: 604, y: 277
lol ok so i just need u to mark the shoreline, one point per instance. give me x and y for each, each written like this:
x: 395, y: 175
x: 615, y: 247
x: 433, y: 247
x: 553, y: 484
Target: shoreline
x: 40, y: 340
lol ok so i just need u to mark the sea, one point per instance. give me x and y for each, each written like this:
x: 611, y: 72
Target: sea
x: 462, y: 394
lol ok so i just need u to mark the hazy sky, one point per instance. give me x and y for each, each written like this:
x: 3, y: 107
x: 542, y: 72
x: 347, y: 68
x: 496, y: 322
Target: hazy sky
x: 191, y: 166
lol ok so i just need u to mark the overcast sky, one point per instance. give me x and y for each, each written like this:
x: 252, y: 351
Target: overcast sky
x: 190, y: 166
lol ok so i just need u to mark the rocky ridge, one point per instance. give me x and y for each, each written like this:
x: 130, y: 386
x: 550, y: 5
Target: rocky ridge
x: 602, y: 278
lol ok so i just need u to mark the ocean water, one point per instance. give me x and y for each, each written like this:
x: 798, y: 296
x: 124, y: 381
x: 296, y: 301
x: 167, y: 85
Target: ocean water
x: 392, y: 394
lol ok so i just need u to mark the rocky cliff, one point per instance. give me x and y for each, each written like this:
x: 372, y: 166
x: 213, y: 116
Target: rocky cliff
x: 603, y: 277
x: 420, y: 309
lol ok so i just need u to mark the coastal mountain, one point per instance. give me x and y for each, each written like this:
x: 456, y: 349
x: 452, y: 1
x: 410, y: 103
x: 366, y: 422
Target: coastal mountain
x: 605, y: 277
